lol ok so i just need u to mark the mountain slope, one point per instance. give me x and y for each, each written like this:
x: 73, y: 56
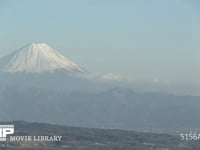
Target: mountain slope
x: 37, y: 58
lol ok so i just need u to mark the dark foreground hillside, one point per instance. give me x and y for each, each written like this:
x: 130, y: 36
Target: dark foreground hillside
x: 75, y: 138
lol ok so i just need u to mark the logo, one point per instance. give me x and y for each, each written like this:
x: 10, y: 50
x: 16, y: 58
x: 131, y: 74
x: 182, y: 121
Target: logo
x: 6, y: 130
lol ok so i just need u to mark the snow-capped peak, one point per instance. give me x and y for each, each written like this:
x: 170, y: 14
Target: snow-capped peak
x: 37, y: 58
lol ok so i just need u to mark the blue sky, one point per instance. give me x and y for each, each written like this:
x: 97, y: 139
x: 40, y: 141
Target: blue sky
x: 139, y: 39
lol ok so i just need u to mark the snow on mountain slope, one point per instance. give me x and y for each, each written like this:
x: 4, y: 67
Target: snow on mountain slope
x: 37, y: 58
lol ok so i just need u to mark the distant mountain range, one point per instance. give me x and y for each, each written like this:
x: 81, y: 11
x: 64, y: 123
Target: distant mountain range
x: 116, y: 108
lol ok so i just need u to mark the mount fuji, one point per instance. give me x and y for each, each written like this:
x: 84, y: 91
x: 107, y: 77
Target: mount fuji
x: 37, y: 58
x: 37, y: 65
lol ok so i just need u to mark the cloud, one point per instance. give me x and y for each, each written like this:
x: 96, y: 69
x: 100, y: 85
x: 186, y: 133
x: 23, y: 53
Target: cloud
x: 111, y: 77
x: 159, y: 81
x: 156, y: 80
x: 103, y: 77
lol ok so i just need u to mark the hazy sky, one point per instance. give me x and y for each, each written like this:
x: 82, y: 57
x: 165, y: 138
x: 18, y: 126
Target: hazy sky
x: 151, y: 40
